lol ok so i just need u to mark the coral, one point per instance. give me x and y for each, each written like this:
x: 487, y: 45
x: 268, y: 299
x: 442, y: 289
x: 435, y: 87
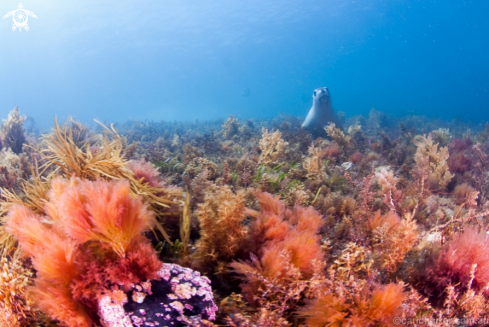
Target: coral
x: 12, y: 130
x: 273, y: 148
x: 221, y: 224
x: 431, y: 163
x: 230, y: 127
x: 462, y: 264
x: 338, y: 136
x: 313, y: 164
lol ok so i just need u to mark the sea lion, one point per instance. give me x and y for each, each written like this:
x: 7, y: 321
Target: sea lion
x: 321, y: 113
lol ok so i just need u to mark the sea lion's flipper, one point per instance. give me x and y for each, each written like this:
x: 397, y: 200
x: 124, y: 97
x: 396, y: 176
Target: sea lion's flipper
x: 309, y: 121
x: 313, y: 125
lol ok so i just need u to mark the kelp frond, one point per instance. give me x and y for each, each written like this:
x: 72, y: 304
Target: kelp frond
x: 86, y: 162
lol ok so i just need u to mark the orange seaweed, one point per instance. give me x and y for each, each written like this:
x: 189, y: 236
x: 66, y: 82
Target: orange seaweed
x: 102, y: 211
x: 90, y: 244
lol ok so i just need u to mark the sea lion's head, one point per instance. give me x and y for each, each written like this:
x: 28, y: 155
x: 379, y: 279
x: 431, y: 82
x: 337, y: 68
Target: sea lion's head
x: 321, y: 113
x: 321, y: 95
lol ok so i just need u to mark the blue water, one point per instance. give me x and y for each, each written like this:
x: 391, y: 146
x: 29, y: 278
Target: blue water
x: 203, y: 59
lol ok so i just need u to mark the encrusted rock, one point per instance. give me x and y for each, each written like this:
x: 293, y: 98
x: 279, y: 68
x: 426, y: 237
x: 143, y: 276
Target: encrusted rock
x: 181, y: 297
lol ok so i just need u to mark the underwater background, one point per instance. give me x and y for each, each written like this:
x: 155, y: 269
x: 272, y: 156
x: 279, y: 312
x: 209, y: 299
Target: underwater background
x: 186, y: 60
x: 210, y: 201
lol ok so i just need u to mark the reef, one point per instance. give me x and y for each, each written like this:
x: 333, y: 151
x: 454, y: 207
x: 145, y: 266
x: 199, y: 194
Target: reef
x: 245, y: 223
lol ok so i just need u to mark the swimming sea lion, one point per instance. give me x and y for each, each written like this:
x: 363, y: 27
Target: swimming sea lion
x: 321, y: 113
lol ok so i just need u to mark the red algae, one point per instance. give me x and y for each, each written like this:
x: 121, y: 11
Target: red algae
x: 91, y: 245
x: 463, y: 262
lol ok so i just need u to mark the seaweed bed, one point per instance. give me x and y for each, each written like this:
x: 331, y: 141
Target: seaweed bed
x: 245, y: 223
